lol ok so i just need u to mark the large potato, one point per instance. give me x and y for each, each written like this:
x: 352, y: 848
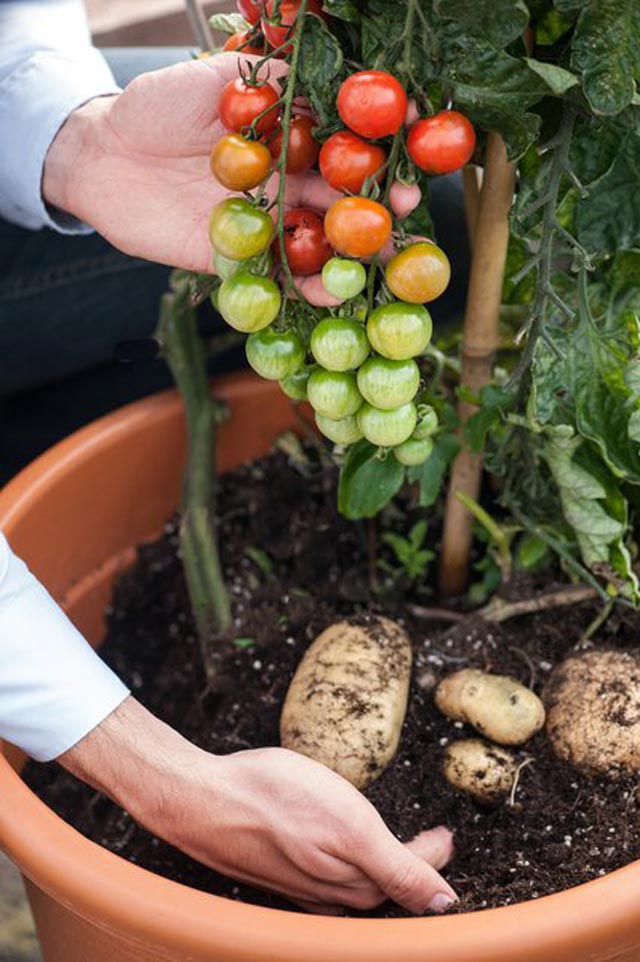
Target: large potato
x: 495, y: 705
x: 482, y: 770
x: 593, y: 712
x: 346, y: 703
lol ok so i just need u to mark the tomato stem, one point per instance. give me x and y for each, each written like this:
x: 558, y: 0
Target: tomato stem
x: 183, y: 350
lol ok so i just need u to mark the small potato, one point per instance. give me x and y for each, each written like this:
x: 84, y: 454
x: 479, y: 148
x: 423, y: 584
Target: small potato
x: 346, y: 703
x: 593, y: 712
x: 495, y: 705
x: 482, y: 770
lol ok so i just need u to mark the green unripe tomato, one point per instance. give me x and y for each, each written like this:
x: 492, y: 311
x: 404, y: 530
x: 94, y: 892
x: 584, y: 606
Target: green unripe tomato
x: 295, y: 385
x: 427, y: 422
x: 345, y: 431
x: 238, y: 230
x: 226, y: 267
x: 333, y: 394
x: 338, y: 344
x: 249, y: 303
x: 388, y: 384
x: 344, y: 278
x: 387, y: 428
x: 400, y: 331
x: 413, y: 451
x: 274, y: 355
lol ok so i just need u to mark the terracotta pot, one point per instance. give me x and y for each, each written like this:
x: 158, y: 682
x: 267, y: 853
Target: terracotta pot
x: 76, y: 515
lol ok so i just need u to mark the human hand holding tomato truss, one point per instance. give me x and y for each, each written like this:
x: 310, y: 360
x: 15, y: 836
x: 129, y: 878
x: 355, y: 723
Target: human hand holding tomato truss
x: 136, y: 166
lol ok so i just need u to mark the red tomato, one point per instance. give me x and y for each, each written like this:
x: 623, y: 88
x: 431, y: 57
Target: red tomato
x: 305, y: 244
x: 251, y: 10
x: 241, y: 103
x: 442, y: 143
x: 372, y: 103
x: 357, y: 227
x: 242, y: 40
x: 303, y: 147
x: 277, y: 33
x: 346, y: 161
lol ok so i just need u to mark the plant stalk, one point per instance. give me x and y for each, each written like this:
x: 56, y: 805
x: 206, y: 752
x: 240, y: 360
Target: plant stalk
x: 186, y: 356
x: 480, y: 339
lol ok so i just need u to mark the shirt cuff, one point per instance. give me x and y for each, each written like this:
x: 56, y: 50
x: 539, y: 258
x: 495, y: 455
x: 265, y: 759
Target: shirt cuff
x: 54, y: 689
x: 35, y: 100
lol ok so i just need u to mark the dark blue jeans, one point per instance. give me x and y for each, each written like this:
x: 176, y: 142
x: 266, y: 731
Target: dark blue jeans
x: 66, y: 303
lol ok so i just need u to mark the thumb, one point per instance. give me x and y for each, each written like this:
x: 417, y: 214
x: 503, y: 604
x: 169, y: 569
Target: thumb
x: 435, y: 846
x: 404, y: 877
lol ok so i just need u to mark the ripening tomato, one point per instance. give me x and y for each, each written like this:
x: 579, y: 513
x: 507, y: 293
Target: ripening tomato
x: 387, y: 428
x: 357, y: 227
x: 242, y: 102
x: 388, y: 384
x: 251, y: 10
x: 399, y: 331
x: 346, y: 161
x: 404, y: 198
x: 343, y: 432
x: 305, y: 244
x: 238, y: 230
x: 277, y: 21
x: 333, y: 393
x: 244, y: 43
x: 442, y: 143
x: 238, y: 163
x: 372, y: 103
x: 303, y: 148
x: 343, y: 278
x: 414, y: 451
x: 419, y: 273
x: 273, y: 354
x: 249, y: 303
x: 427, y: 422
x: 339, y: 344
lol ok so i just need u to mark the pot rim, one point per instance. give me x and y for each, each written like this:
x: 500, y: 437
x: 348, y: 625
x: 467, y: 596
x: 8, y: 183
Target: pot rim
x: 117, y: 895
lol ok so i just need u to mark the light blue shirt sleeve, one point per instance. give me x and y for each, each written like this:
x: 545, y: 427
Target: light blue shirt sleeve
x: 54, y: 689
x: 48, y: 68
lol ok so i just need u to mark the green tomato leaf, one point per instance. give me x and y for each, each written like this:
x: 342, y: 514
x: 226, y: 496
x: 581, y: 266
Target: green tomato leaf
x: 367, y: 483
x: 499, y: 21
x: 557, y: 79
x: 342, y: 9
x: 319, y: 69
x: 605, y: 50
x: 551, y: 27
x: 228, y: 23
x: 495, y: 402
x: 608, y: 219
x: 595, y: 144
x: 430, y: 475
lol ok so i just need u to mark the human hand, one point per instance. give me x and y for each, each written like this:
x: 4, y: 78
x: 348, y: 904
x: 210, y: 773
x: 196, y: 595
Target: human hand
x: 136, y: 165
x: 269, y: 817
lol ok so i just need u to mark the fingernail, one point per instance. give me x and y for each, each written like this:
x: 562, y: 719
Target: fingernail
x: 440, y: 902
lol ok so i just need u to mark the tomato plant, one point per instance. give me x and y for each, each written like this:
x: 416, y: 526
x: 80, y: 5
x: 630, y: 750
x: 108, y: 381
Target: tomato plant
x: 413, y: 451
x: 238, y: 163
x: 399, y: 331
x: 387, y: 428
x: 344, y: 278
x: 241, y: 103
x: 388, y: 384
x: 305, y: 244
x: 343, y: 432
x: 303, y: 148
x: 333, y: 394
x: 238, y: 230
x: 357, y: 227
x: 372, y: 103
x: 275, y: 355
x: 419, y: 273
x: 243, y: 42
x: 346, y: 161
x: 442, y: 143
x: 249, y: 303
x: 338, y: 344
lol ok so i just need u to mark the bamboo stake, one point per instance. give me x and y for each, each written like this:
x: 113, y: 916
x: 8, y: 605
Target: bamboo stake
x: 480, y: 339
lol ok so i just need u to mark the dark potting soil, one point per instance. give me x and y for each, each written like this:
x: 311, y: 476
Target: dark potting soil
x: 295, y: 566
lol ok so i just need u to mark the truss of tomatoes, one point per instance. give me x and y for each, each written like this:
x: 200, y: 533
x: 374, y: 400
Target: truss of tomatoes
x: 357, y: 370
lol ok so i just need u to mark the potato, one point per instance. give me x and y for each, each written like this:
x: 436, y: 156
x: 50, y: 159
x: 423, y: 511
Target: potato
x: 593, y: 712
x: 346, y: 703
x: 495, y: 705
x: 480, y: 769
